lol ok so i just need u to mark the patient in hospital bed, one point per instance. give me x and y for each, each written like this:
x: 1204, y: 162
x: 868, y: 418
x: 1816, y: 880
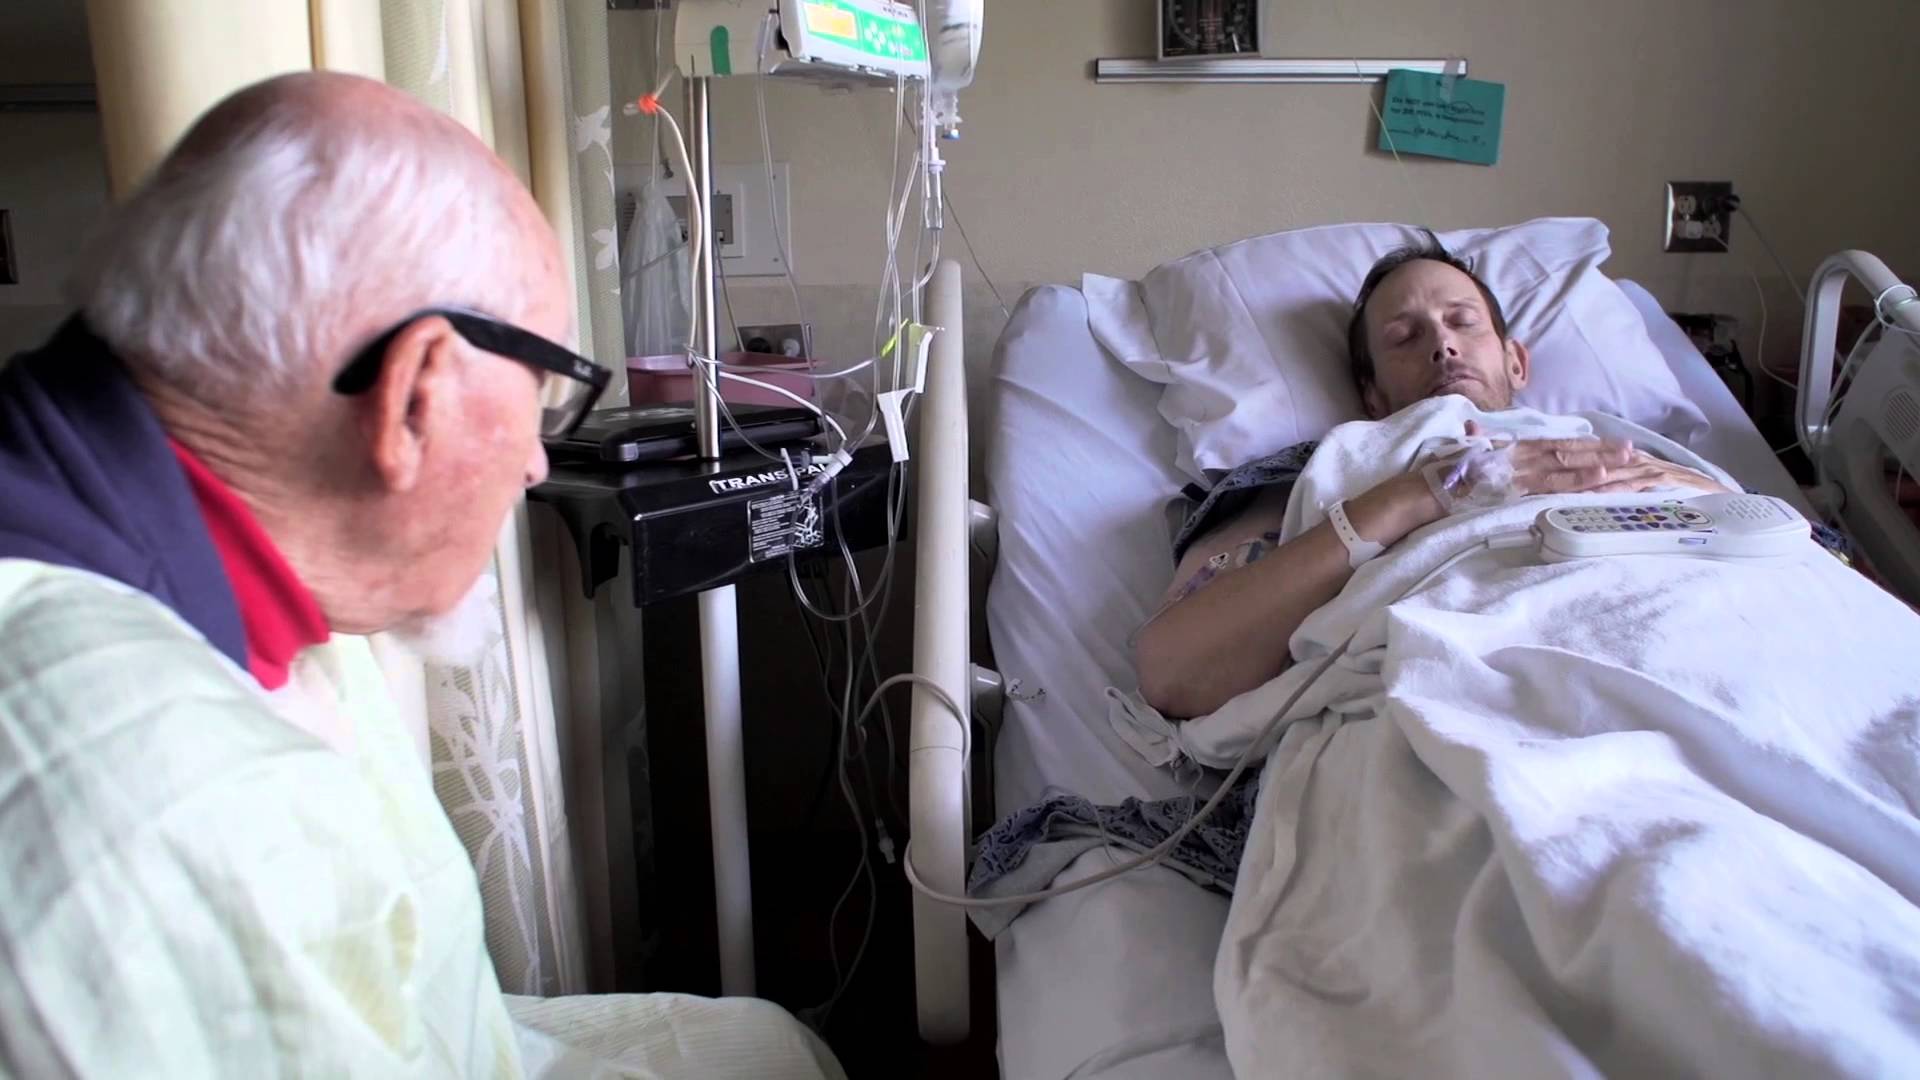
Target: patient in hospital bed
x: 1503, y: 817
x: 1423, y: 327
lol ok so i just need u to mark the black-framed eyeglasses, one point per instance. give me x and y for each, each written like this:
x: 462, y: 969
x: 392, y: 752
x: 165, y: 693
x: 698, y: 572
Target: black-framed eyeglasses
x: 570, y: 384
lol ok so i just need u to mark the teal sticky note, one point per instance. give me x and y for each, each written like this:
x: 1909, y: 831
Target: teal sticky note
x: 1424, y: 115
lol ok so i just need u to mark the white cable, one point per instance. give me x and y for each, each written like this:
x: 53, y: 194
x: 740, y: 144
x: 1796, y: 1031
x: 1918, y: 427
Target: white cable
x: 1841, y: 382
x: 1399, y: 166
x: 1760, y: 349
x: 696, y: 208
x: 939, y: 693
x: 947, y: 204
x: 653, y: 169
x: 825, y: 416
x: 1159, y: 852
x: 946, y: 198
x: 816, y: 376
x: 896, y: 481
x: 886, y: 568
x: 1154, y: 855
x: 842, y: 979
x: 767, y: 27
x: 1792, y: 282
x: 1885, y: 318
x: 890, y: 271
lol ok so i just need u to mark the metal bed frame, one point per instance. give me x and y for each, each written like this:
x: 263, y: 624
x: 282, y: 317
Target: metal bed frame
x: 1879, y: 417
x: 953, y: 527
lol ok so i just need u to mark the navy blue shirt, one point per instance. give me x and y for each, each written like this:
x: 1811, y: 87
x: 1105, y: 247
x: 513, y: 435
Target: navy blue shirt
x: 88, y: 481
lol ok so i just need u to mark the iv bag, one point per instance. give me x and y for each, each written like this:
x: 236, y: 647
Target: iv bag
x: 654, y: 279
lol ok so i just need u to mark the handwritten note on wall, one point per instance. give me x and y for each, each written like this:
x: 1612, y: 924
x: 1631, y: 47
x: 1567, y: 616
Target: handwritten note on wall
x: 1424, y: 115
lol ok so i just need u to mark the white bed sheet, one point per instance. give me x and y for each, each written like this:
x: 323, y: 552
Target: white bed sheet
x: 1080, y: 467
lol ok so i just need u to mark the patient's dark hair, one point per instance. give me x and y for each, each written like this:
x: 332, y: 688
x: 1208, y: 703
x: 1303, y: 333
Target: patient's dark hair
x: 1359, y: 354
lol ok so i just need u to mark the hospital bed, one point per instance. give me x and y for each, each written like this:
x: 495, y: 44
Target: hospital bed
x: 1080, y: 469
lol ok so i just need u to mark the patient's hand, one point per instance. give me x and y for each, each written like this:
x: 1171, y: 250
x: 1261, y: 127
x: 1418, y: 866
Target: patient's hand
x: 1559, y: 466
x: 1648, y: 473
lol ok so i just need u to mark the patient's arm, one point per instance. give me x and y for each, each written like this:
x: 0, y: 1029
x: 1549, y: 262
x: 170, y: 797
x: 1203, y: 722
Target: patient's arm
x: 1214, y: 643
x: 1217, y: 639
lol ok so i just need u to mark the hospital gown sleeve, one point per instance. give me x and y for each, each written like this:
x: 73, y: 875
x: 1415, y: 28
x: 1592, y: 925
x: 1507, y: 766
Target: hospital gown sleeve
x: 188, y: 885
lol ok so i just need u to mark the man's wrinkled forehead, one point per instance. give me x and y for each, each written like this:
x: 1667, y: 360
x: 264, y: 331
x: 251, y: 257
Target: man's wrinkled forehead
x: 1422, y: 285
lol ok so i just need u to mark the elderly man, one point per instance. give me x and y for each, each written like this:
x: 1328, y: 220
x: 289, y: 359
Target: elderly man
x: 308, y: 377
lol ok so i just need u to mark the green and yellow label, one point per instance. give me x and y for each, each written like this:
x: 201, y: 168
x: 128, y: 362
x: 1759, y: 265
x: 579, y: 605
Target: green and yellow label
x: 893, y: 37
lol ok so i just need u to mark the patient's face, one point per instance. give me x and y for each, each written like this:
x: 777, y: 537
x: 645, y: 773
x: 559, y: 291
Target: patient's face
x: 1430, y: 333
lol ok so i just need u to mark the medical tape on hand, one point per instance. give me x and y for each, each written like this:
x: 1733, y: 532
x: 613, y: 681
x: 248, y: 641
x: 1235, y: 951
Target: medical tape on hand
x: 1479, y: 477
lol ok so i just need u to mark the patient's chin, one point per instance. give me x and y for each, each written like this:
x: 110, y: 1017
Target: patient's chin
x: 460, y: 636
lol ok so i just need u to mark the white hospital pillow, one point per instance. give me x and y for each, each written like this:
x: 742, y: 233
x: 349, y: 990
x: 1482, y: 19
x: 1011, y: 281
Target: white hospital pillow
x: 1249, y: 338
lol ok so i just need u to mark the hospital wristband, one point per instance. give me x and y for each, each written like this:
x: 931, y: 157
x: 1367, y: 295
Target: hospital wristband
x: 1359, y: 550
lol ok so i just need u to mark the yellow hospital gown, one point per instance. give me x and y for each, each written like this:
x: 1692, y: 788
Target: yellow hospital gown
x: 190, y: 885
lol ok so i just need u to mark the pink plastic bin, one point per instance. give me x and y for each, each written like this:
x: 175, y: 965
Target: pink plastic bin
x: 653, y: 380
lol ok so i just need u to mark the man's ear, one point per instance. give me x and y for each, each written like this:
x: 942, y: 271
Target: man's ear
x: 1374, y: 402
x: 1519, y: 362
x: 406, y: 406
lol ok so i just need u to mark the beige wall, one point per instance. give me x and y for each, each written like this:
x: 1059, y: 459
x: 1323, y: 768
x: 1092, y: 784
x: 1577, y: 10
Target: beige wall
x: 1802, y: 105
x: 52, y: 168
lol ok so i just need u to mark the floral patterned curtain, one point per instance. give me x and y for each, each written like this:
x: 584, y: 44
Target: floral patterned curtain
x: 491, y: 726
x: 590, y: 100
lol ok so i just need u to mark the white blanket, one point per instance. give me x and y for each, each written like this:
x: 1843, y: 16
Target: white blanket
x: 1636, y: 816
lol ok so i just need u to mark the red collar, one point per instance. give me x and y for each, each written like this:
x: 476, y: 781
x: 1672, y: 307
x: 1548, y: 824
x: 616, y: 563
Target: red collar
x: 280, y: 615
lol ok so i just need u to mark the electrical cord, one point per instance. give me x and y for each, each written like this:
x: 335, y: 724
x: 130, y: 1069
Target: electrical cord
x: 838, y: 373
x: 895, y: 491
x: 1159, y: 852
x: 1399, y: 166
x: 1786, y: 275
x: 852, y: 729
x: 767, y: 30
x: 1760, y: 349
x: 726, y: 297
x: 953, y: 211
x: 1156, y: 854
x: 823, y: 662
x: 960, y: 226
x: 710, y: 369
x: 696, y: 200
x: 851, y: 747
x: 1885, y: 317
x: 1843, y: 382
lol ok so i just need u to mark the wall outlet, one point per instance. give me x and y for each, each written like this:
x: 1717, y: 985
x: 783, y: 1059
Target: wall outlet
x: 1699, y: 215
x: 778, y: 339
x: 722, y: 211
x: 747, y: 245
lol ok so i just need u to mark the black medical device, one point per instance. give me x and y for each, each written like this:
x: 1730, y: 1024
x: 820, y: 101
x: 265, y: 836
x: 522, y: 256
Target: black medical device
x: 688, y: 526
x: 648, y: 433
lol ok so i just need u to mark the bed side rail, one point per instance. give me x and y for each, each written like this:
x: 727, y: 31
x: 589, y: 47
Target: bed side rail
x: 940, y: 741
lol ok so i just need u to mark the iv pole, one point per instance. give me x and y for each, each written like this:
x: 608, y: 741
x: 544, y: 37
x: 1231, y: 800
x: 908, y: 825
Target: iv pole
x: 719, y: 617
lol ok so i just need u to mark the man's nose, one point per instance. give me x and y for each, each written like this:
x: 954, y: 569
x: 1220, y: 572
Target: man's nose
x: 537, y: 465
x: 1444, y: 350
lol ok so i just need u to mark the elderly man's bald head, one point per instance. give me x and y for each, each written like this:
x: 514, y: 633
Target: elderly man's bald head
x: 301, y: 220
x: 297, y: 218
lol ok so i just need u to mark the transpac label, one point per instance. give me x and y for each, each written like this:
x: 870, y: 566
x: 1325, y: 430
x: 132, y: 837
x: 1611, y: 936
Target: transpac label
x: 783, y: 523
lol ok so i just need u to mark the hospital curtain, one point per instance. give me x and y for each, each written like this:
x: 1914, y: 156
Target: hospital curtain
x: 492, y: 730
x: 570, y: 131
x: 158, y: 66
